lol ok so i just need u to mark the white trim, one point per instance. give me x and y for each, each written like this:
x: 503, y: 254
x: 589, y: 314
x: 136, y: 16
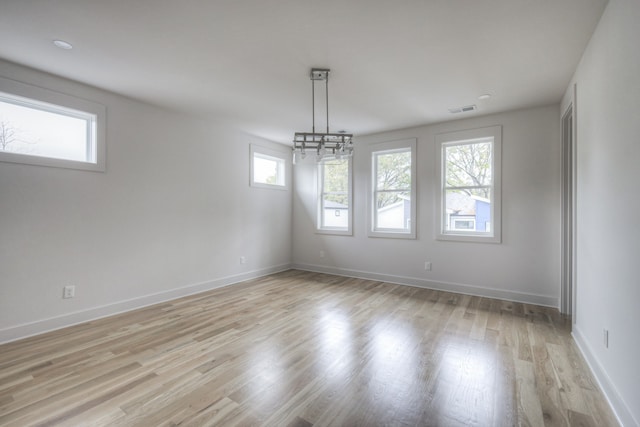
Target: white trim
x: 50, y: 100
x: 620, y: 409
x: 459, y: 288
x: 568, y: 213
x: 25, y: 330
x: 462, y: 138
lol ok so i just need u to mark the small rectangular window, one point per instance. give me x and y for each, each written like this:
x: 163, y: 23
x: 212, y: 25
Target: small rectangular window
x: 334, y: 196
x: 268, y: 168
x: 469, y: 174
x: 45, y: 128
x: 393, y: 189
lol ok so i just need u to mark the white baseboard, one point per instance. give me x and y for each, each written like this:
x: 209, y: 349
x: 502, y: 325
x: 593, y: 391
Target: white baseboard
x: 514, y: 296
x: 620, y: 408
x: 25, y: 330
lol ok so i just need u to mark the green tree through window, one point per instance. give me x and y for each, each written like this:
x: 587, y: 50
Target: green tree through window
x: 393, y: 177
x: 469, y: 165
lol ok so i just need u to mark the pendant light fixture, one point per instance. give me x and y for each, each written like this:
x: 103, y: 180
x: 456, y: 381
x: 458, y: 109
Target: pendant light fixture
x: 318, y: 144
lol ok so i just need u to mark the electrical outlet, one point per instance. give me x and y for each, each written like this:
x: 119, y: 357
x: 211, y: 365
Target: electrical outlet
x: 427, y: 266
x: 606, y: 338
x: 68, y: 292
x: 321, y: 254
x: 243, y: 260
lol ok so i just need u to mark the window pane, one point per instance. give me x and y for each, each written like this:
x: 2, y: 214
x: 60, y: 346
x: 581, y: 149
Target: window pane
x: 336, y: 178
x: 335, y: 211
x: 336, y: 200
x: 468, y: 164
x: 33, y: 131
x: 268, y: 170
x: 393, y: 171
x: 468, y: 210
x: 393, y: 210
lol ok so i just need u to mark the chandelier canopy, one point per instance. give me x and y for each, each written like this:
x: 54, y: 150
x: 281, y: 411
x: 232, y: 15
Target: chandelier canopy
x: 322, y: 145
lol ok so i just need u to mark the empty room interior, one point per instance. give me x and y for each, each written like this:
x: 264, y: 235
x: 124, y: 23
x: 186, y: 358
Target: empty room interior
x: 297, y: 213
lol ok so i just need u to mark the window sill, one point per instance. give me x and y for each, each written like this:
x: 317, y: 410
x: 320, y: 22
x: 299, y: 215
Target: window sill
x: 470, y: 238
x: 269, y: 186
x: 335, y: 232
x: 392, y: 234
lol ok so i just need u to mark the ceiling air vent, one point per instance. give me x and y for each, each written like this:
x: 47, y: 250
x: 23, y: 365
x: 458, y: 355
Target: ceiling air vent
x: 463, y: 109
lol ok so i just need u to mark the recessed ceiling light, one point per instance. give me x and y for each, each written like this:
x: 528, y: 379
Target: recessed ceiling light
x: 63, y: 44
x: 485, y: 96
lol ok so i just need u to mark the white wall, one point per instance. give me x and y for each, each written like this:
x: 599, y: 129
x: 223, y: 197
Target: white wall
x: 608, y: 178
x: 524, y: 267
x: 172, y: 215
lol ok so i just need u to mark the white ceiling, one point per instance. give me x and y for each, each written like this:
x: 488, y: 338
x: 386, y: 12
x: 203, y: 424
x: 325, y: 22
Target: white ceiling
x: 394, y: 64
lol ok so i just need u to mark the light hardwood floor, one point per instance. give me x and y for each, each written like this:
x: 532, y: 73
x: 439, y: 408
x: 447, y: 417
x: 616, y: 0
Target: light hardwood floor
x: 306, y: 349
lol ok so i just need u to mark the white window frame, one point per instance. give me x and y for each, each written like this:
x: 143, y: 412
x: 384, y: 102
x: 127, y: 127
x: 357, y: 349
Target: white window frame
x: 49, y: 101
x: 494, y: 135
x: 410, y: 145
x: 270, y: 154
x: 320, y: 228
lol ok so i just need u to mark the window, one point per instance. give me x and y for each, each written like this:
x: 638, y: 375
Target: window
x: 469, y: 174
x: 41, y: 127
x: 393, y: 189
x: 334, y: 201
x: 268, y: 168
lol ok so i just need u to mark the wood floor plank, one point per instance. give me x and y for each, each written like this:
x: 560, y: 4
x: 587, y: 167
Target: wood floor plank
x: 529, y: 407
x: 306, y: 349
x: 548, y: 383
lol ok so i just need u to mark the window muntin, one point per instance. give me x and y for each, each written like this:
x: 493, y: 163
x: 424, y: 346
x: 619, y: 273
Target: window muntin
x: 268, y: 168
x: 393, y: 190
x: 334, y: 196
x: 469, y: 173
x: 41, y: 127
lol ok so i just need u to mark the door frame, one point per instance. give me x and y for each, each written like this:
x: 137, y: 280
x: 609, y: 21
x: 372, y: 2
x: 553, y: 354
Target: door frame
x: 568, y: 286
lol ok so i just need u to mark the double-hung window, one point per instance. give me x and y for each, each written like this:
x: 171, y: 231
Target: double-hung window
x: 469, y: 191
x: 393, y: 189
x: 334, y: 196
x: 46, y: 128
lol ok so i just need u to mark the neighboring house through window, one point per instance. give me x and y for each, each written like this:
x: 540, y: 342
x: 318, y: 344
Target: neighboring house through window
x: 469, y: 172
x: 334, y: 196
